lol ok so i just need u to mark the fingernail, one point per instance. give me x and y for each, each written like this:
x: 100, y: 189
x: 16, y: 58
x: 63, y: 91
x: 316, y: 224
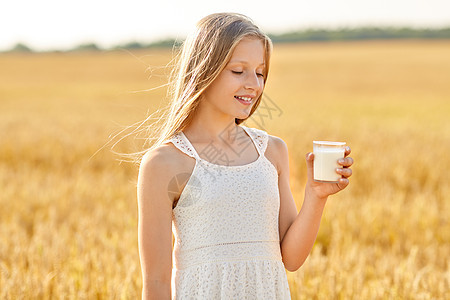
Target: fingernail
x: 341, y: 160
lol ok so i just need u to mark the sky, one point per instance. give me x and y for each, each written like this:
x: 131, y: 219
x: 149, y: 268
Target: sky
x: 61, y: 25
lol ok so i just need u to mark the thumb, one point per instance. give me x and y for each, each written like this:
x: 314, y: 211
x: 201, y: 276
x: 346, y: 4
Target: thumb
x: 310, y: 165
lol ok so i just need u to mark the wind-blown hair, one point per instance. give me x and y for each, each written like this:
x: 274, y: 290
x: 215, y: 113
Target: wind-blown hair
x: 205, y: 53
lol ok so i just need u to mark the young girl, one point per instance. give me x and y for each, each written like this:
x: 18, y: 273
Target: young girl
x: 223, y: 187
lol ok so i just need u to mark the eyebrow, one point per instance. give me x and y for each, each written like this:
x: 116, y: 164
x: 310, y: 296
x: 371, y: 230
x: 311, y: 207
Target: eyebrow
x: 244, y: 62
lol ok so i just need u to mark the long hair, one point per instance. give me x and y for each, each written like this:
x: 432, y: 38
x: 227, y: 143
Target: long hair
x: 205, y: 53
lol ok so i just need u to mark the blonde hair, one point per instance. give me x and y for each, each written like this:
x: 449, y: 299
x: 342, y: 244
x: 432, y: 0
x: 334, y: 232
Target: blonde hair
x: 204, y: 54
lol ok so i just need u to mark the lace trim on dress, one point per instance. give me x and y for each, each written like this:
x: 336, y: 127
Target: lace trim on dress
x: 236, y: 251
x: 181, y: 143
x: 258, y: 137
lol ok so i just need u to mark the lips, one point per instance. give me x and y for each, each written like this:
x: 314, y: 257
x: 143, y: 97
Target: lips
x: 244, y: 99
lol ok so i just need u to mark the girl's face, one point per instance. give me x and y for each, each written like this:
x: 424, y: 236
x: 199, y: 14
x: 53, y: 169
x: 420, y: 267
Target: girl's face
x: 241, y: 82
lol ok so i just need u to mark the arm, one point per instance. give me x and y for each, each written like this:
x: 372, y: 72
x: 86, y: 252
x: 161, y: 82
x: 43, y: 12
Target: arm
x: 298, y: 232
x: 155, y: 226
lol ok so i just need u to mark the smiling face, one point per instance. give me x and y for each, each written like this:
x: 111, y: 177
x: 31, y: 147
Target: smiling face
x: 241, y: 82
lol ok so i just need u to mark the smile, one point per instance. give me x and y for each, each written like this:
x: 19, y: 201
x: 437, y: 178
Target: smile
x: 244, y: 100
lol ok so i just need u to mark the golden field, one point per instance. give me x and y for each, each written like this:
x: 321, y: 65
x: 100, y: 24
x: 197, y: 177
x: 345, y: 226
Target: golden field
x: 68, y: 218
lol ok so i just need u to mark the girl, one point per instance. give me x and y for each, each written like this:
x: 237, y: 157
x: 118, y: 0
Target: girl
x: 223, y: 187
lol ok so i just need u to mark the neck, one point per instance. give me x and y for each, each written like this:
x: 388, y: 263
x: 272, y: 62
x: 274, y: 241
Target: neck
x: 208, y: 127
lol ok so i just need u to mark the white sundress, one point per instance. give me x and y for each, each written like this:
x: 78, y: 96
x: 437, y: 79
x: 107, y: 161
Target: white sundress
x: 226, y: 229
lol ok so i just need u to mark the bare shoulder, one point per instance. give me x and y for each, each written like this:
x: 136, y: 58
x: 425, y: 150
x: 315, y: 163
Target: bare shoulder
x: 276, y: 142
x: 166, y: 160
x: 277, y: 152
x: 162, y: 158
x: 157, y: 165
x: 160, y: 166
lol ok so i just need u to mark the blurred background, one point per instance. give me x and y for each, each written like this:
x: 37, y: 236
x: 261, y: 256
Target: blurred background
x: 76, y: 78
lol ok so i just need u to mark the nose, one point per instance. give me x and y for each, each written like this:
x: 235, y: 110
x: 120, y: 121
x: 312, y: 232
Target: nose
x: 253, y: 81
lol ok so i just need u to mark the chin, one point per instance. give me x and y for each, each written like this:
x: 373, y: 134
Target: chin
x: 242, y: 116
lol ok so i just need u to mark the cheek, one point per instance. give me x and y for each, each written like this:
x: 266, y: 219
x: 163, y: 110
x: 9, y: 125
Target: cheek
x: 230, y: 84
x: 217, y: 86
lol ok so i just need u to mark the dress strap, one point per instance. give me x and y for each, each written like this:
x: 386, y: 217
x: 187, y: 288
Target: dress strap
x: 259, y: 137
x: 180, y: 141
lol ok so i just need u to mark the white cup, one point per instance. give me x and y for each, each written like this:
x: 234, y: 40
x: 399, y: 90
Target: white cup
x: 326, y: 155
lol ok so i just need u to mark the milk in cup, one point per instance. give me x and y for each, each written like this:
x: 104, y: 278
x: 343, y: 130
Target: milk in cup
x: 326, y: 155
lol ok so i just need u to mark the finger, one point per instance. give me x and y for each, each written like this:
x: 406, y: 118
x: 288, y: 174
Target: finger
x: 346, y: 172
x: 310, y: 164
x: 347, y: 151
x: 343, y: 182
x: 346, y: 162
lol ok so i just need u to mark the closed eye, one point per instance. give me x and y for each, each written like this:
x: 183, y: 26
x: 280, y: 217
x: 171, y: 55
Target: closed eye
x: 240, y: 72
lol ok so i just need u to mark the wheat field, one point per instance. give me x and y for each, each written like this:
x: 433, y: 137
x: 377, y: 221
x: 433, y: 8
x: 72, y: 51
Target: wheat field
x: 68, y: 211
